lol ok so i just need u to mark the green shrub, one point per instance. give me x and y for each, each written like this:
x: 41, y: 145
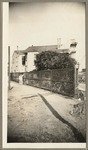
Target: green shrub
x: 53, y: 60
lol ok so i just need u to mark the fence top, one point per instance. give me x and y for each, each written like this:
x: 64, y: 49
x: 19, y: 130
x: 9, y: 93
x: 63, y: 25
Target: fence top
x: 57, y: 69
x: 34, y: 71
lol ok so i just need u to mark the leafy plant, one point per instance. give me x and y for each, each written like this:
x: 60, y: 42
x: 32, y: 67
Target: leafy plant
x: 53, y: 60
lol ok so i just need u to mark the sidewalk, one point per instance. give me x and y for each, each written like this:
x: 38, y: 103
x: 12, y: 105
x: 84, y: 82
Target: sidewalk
x: 38, y: 115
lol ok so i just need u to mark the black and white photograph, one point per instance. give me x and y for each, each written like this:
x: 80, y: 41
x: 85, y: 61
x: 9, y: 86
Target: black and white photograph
x: 46, y: 71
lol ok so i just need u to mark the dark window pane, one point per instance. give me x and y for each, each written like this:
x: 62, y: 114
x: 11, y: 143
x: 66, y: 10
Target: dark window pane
x: 23, y: 60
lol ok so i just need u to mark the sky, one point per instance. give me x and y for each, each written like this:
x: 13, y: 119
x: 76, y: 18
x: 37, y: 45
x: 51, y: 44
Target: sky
x: 41, y: 23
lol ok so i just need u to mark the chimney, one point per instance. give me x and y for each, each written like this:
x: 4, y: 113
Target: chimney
x: 59, y: 43
x: 73, y: 43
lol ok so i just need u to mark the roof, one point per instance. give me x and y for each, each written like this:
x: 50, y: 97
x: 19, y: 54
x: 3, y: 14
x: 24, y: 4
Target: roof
x: 82, y: 86
x: 41, y: 49
x: 20, y: 52
x: 44, y: 48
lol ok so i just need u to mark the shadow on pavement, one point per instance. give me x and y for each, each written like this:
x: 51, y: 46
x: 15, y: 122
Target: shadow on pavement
x: 77, y: 134
x: 45, y: 94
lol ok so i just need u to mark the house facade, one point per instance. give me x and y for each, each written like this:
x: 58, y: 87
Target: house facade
x: 23, y: 60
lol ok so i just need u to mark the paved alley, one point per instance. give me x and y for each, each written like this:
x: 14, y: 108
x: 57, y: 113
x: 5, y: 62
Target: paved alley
x: 38, y: 115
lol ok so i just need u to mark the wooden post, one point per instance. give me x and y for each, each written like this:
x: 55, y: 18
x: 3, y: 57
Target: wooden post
x: 51, y: 78
x: 9, y: 67
x: 76, y: 82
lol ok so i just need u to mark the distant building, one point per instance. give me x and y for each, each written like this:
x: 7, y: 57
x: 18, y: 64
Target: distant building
x: 81, y: 76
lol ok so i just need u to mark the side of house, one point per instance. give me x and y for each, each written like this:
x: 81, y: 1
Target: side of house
x: 23, y: 62
x: 29, y: 64
x: 17, y: 62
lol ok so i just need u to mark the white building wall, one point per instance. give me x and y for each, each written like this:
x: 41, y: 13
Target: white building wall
x: 21, y: 67
x: 14, y: 66
x: 17, y: 65
x: 30, y: 61
x: 72, y: 49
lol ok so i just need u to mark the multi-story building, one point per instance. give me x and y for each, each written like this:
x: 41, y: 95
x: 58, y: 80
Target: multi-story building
x: 23, y: 60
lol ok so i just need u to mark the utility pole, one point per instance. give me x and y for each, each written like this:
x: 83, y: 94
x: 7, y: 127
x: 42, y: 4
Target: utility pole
x: 9, y: 67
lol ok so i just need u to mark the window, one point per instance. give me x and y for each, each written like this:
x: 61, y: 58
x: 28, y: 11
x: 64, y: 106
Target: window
x: 23, y: 60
